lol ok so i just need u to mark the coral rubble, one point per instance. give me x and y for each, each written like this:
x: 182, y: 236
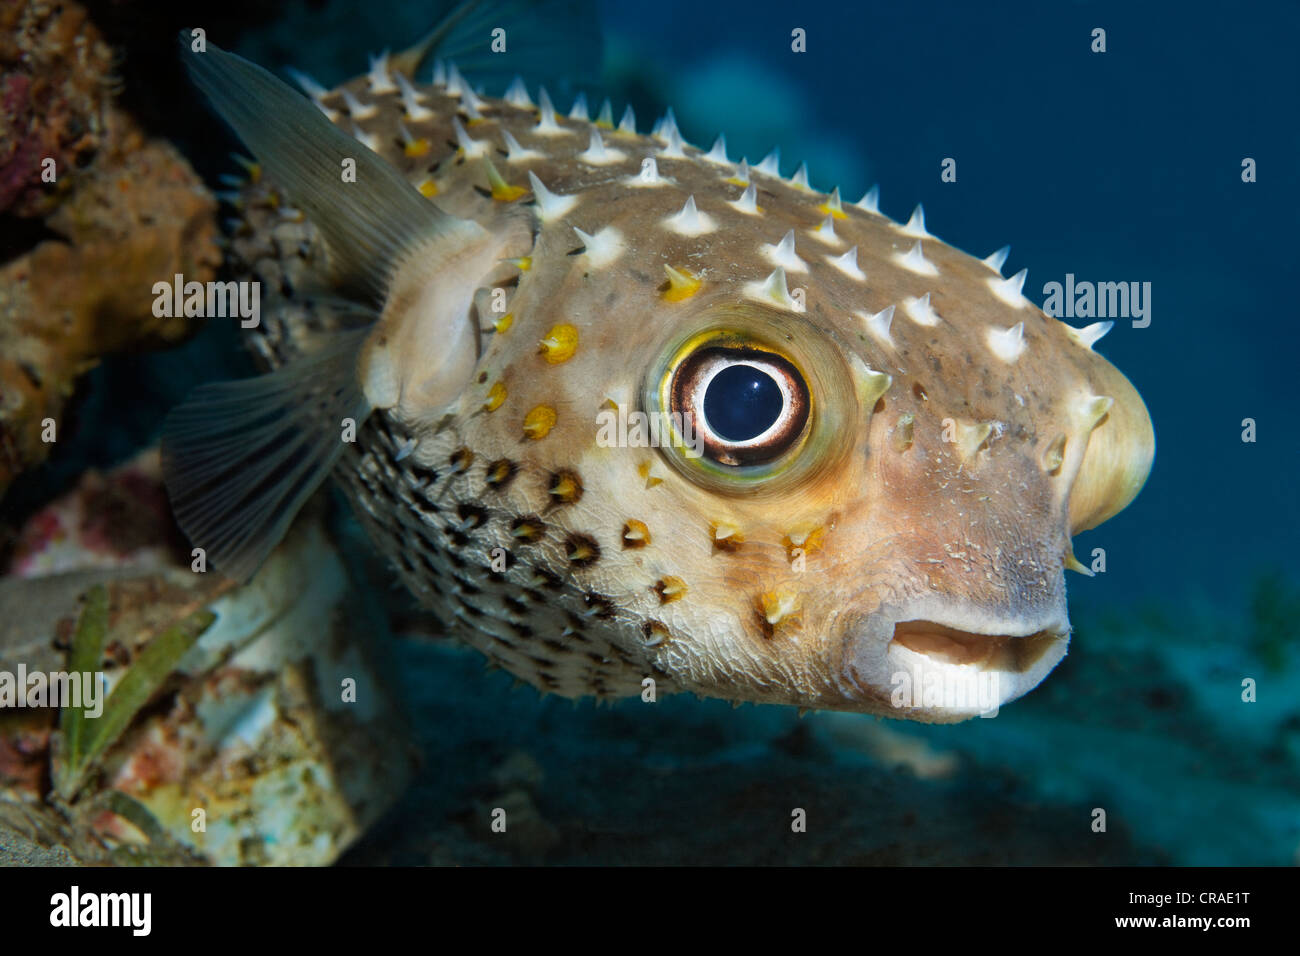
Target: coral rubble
x: 236, y: 724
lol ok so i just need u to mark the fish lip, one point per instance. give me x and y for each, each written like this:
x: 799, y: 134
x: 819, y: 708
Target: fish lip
x: 893, y: 656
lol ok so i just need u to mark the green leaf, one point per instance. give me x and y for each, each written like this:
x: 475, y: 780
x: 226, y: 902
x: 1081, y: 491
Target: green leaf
x: 140, y: 682
x: 85, y: 657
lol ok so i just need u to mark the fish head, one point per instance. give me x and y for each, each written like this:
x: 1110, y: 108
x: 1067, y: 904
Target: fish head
x: 786, y: 496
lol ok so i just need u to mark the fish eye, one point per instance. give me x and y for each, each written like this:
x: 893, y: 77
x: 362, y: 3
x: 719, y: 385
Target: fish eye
x: 757, y: 402
x: 750, y: 406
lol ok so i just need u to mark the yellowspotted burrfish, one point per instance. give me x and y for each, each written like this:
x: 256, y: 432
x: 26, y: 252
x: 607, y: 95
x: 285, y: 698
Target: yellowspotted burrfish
x: 631, y: 414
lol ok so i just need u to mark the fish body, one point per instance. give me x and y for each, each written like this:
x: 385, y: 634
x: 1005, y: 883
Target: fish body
x: 654, y: 415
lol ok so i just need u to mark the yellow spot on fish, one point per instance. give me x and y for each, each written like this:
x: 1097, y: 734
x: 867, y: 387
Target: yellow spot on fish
x: 560, y: 344
x: 523, y: 263
x: 644, y: 470
x: 726, y: 536
x: 416, y: 148
x: 635, y: 534
x: 681, y: 285
x: 805, y: 538
x: 503, y: 322
x: 502, y: 190
x: 833, y: 206
x: 428, y: 188
x: 539, y: 422
x: 669, y: 589
x: 495, y: 396
x: 779, y: 606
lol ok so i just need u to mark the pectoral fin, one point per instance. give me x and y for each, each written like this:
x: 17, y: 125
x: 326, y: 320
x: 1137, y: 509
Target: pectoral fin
x: 240, y: 458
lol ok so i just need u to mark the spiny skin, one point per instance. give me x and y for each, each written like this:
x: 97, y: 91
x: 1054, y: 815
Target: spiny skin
x: 940, y: 494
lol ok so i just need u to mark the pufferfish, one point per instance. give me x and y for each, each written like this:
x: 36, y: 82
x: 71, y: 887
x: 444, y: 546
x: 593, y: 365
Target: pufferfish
x: 622, y: 410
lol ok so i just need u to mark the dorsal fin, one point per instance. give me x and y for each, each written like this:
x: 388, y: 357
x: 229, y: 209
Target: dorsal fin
x: 367, y: 223
x: 555, y: 42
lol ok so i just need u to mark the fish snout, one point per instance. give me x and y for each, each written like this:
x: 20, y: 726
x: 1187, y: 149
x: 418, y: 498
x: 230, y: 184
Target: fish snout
x: 931, y: 661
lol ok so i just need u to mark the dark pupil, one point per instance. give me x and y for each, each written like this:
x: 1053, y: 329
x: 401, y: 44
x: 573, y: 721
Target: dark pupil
x: 742, y: 402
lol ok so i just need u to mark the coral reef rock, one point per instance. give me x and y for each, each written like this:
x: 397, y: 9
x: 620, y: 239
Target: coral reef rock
x: 120, y: 212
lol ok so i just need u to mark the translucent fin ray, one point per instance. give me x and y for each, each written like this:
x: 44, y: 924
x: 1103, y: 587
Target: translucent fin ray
x: 366, y: 223
x: 555, y: 42
x: 241, y: 458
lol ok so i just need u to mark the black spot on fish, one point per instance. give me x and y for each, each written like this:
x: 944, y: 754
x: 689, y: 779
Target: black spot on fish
x: 601, y: 606
x: 564, y: 487
x: 471, y: 516
x: 548, y: 579
x: 461, y: 459
x: 582, y: 550
x: 527, y: 529
x: 426, y: 475
x: 501, y: 473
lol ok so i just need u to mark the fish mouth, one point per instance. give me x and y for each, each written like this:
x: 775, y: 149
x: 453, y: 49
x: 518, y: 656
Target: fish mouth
x: 951, y: 646
x: 933, y: 665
